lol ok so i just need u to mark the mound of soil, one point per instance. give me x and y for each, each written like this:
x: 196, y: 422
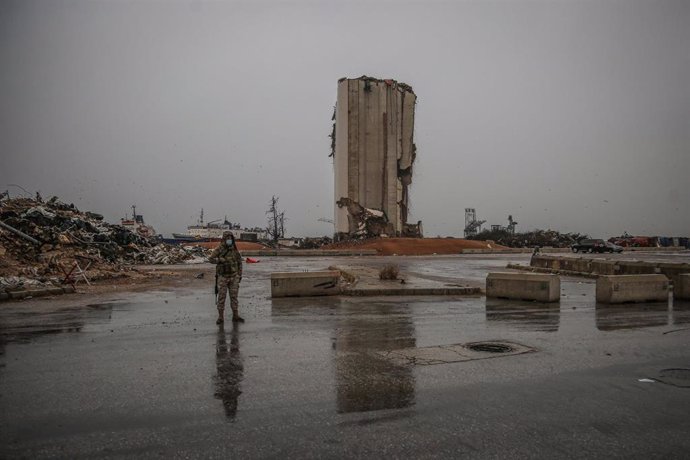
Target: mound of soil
x: 415, y: 246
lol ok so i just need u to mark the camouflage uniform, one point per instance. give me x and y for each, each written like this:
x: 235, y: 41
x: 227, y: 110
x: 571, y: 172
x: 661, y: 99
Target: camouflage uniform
x: 229, y: 271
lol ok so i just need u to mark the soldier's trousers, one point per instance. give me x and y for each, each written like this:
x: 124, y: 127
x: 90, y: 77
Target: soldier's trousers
x: 225, y: 284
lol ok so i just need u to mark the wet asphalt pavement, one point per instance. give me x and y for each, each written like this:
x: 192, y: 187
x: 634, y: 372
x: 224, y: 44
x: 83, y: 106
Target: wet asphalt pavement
x: 151, y: 375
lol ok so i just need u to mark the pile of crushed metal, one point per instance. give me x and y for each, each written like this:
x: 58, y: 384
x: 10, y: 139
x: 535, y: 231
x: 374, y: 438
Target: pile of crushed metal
x: 541, y: 238
x: 414, y: 246
x: 44, y: 242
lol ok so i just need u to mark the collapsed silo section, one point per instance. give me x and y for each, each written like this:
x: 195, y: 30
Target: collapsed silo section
x: 374, y: 154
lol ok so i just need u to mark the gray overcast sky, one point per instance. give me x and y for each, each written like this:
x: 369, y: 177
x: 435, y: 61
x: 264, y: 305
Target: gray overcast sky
x: 571, y: 115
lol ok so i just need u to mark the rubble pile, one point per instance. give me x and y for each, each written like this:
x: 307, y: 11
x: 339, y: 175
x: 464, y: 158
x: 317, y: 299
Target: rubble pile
x: 41, y: 240
x: 541, y: 238
x: 15, y: 283
x: 315, y: 242
x: 366, y: 222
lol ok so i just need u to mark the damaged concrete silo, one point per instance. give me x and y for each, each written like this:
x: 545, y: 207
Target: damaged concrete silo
x: 373, y: 151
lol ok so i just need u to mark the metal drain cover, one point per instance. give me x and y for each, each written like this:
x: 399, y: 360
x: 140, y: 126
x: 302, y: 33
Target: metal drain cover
x: 489, y: 347
x: 678, y: 377
x: 443, y: 354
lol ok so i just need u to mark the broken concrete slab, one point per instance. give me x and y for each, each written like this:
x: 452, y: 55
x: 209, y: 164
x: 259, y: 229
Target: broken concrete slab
x: 367, y: 283
x: 42, y: 292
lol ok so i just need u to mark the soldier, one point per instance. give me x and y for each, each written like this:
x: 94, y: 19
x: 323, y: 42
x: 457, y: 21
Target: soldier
x: 228, y: 276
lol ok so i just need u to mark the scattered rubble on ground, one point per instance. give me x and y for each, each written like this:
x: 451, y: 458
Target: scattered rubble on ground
x: 315, y: 242
x: 41, y: 242
x: 541, y: 238
x: 15, y: 283
x: 389, y: 272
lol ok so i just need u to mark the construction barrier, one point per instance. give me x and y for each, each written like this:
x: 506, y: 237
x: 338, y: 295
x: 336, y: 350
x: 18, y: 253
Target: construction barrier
x: 632, y: 288
x: 305, y: 284
x: 600, y: 266
x: 681, y: 289
x: 524, y: 286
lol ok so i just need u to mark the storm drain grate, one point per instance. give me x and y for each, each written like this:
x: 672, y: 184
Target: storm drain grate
x: 490, y: 347
x: 443, y: 354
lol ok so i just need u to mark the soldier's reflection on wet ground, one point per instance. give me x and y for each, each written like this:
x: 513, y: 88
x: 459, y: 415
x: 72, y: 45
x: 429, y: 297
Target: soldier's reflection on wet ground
x: 229, y: 370
x: 527, y: 316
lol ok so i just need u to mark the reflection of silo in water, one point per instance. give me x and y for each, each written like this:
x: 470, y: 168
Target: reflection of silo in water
x: 542, y: 317
x: 630, y: 316
x: 365, y: 381
x: 681, y: 311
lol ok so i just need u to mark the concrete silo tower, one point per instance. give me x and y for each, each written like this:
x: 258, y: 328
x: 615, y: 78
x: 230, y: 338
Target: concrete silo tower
x: 373, y: 153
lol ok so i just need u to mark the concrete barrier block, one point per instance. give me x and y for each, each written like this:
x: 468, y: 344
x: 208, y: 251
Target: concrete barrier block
x: 305, y: 284
x: 524, y: 286
x: 632, y: 288
x: 681, y: 288
x: 604, y: 267
x: 673, y: 271
x: 637, y: 268
x: 541, y: 261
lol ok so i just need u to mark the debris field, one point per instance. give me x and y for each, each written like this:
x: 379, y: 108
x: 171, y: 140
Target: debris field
x: 55, y: 243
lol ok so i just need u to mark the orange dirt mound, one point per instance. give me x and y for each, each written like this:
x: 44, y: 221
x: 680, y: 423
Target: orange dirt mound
x: 416, y: 246
x: 241, y: 245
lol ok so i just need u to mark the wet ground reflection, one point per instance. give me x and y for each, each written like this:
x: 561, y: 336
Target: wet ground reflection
x: 681, y: 311
x: 365, y: 382
x: 229, y: 370
x: 630, y: 315
x: 528, y: 316
x: 25, y: 325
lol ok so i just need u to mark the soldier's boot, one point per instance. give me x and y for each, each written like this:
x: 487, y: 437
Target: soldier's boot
x: 221, y: 316
x: 236, y: 318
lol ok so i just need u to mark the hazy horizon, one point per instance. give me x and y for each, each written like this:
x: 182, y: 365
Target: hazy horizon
x: 569, y: 115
